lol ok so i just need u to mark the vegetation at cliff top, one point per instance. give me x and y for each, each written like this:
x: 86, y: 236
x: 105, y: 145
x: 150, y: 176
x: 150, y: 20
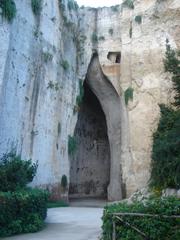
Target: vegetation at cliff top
x: 8, y: 9
x: 72, y: 5
x: 36, y: 6
x: 129, y: 4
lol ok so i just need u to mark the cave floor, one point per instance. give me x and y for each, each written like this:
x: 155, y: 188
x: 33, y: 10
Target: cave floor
x: 77, y: 223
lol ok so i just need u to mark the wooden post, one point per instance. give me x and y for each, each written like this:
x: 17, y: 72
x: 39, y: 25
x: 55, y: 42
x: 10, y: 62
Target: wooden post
x: 114, y: 231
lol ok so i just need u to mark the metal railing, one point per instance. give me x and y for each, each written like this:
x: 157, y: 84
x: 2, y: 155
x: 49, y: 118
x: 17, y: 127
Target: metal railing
x: 118, y: 217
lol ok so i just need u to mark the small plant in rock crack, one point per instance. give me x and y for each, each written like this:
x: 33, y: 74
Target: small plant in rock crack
x: 94, y: 37
x: 101, y: 38
x: 128, y: 94
x: 72, y: 145
x: 138, y: 19
x: 111, y: 31
x: 65, y: 65
x: 47, y: 57
x: 52, y: 85
x: 130, y: 32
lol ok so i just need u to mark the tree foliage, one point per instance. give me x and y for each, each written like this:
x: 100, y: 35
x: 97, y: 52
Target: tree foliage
x: 8, y: 9
x: 166, y: 140
x: 172, y: 65
x: 15, y: 173
x: 166, y: 150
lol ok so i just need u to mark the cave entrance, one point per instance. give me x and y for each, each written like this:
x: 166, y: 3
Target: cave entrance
x: 90, y: 165
x: 102, y: 140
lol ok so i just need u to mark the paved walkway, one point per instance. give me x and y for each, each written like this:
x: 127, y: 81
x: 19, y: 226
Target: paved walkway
x: 71, y: 223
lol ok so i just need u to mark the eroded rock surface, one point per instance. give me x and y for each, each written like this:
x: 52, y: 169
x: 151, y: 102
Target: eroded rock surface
x: 42, y: 59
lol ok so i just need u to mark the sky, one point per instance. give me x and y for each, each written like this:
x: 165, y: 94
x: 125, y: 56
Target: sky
x: 98, y: 3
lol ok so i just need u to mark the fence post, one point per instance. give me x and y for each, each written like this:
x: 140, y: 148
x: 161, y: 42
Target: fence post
x: 114, y: 231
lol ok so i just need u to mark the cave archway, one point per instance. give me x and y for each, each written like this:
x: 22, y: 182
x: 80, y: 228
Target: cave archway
x: 110, y: 102
x: 90, y: 165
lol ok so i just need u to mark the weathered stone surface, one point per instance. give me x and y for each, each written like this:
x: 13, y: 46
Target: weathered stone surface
x: 37, y: 95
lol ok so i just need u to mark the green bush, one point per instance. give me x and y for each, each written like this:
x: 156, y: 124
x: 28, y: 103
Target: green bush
x: 36, y: 6
x: 15, y: 173
x: 8, y: 9
x: 22, y: 211
x: 155, y: 228
x: 166, y: 150
x: 166, y: 142
x: 128, y: 95
x: 72, y: 145
x: 172, y: 65
x: 129, y: 4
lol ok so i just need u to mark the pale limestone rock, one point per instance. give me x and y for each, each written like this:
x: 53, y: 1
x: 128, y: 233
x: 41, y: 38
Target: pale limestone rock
x: 31, y: 111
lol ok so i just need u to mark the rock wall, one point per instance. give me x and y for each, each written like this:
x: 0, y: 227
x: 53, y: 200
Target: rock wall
x: 42, y: 59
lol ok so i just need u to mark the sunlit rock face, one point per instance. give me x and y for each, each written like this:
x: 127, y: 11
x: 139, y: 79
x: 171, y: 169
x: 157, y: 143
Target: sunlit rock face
x: 42, y: 60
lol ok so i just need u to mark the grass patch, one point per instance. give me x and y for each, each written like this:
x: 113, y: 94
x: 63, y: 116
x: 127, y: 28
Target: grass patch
x: 57, y: 204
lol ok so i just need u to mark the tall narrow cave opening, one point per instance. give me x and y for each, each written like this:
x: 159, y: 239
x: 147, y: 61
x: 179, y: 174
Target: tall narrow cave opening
x: 90, y: 165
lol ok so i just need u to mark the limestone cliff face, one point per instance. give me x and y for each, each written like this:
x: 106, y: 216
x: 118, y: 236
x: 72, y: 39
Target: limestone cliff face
x: 42, y: 59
